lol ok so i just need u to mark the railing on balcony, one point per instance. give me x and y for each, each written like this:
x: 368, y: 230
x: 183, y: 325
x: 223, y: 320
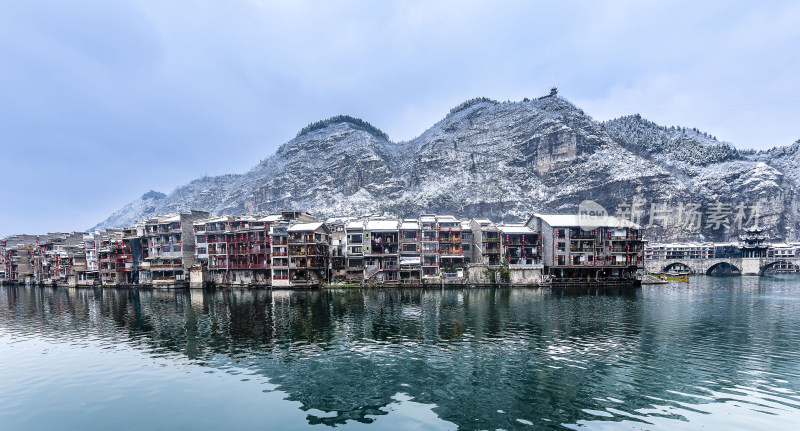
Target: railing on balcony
x: 165, y: 266
x: 173, y: 278
x: 383, y: 240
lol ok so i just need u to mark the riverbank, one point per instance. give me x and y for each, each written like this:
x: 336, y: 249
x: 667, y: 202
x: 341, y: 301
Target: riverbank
x: 434, y: 285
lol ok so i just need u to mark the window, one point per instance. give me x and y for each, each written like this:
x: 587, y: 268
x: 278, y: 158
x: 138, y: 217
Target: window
x: 560, y: 260
x: 465, y: 247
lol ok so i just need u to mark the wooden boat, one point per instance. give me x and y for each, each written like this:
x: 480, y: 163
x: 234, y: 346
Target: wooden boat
x: 654, y: 279
x: 676, y: 276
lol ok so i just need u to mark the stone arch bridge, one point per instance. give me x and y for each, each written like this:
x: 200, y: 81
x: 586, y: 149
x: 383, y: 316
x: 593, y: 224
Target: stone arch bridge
x: 746, y: 266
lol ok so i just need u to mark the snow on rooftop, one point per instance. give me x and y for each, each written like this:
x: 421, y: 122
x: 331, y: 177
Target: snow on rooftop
x: 355, y: 224
x: 570, y: 220
x: 382, y: 225
x: 514, y: 229
x: 409, y: 225
x: 271, y: 217
x: 211, y: 220
x: 302, y: 227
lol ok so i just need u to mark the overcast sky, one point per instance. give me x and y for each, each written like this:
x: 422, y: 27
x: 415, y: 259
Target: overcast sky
x: 103, y: 100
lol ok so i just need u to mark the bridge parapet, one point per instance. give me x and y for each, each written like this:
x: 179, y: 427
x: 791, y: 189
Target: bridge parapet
x: 696, y: 266
x: 746, y: 266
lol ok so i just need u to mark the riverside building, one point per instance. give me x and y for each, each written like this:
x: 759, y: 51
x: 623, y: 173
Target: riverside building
x: 292, y: 249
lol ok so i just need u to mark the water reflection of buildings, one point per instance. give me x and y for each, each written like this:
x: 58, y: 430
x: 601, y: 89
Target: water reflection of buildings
x: 348, y: 353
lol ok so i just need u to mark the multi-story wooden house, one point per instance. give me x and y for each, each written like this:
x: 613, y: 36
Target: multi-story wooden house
x: 612, y: 250
x: 382, y: 251
x: 170, y: 248
x: 410, y: 251
x: 308, y: 244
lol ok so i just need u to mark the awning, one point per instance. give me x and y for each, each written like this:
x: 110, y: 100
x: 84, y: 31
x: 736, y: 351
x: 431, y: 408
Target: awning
x: 409, y: 261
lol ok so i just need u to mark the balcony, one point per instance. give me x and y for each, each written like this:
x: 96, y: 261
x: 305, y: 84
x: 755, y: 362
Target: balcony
x: 383, y: 240
x: 162, y: 267
x: 215, y: 229
x: 172, y: 278
x: 383, y: 251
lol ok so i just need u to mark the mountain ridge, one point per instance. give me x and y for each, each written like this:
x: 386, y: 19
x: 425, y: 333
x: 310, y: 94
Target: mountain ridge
x: 502, y: 160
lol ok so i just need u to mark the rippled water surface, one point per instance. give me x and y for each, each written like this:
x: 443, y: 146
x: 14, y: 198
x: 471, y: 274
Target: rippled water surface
x: 719, y: 353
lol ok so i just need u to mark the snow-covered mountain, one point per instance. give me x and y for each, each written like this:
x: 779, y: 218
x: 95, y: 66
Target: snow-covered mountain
x: 503, y: 161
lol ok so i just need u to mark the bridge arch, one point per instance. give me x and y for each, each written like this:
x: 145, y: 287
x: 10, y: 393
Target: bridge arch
x: 725, y: 268
x: 681, y: 266
x: 770, y: 265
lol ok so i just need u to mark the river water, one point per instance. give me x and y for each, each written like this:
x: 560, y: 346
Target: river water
x: 716, y: 353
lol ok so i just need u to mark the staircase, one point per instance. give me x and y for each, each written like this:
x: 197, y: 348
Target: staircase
x: 370, y: 270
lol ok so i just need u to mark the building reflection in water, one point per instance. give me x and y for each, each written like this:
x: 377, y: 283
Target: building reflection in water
x: 346, y: 355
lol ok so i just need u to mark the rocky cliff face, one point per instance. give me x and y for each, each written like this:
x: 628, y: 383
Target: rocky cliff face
x: 716, y: 176
x: 504, y: 161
